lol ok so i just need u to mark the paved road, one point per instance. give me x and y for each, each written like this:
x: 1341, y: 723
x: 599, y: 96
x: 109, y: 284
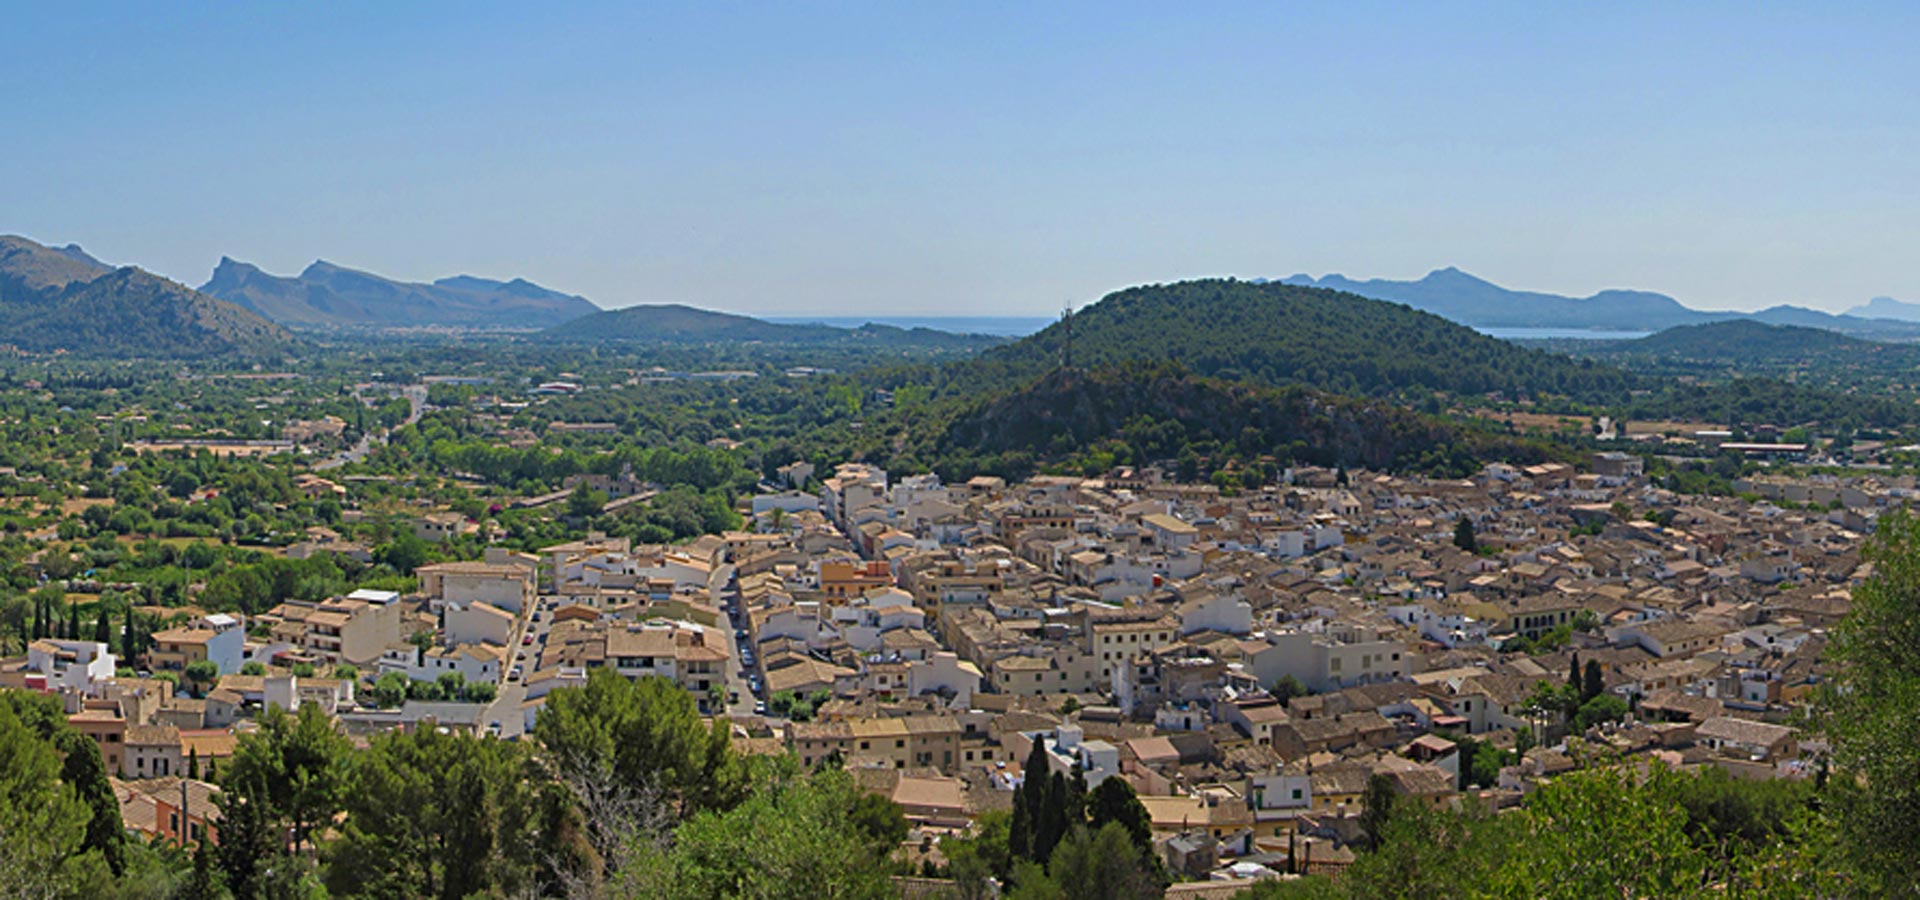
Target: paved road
x: 513, y: 690
x: 740, y: 699
x: 416, y: 395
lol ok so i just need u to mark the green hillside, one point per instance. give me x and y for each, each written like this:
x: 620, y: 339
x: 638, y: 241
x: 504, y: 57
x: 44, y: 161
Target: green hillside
x: 59, y: 300
x: 1143, y: 412
x: 1750, y: 341
x: 1278, y: 334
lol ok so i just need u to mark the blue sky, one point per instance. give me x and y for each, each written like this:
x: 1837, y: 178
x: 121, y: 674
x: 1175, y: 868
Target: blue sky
x: 973, y: 158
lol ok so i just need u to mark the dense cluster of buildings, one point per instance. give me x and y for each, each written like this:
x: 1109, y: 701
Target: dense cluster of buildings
x: 1249, y: 662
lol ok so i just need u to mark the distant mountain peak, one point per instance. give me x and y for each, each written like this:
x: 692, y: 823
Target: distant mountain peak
x: 327, y: 294
x: 1887, y: 308
x: 61, y: 298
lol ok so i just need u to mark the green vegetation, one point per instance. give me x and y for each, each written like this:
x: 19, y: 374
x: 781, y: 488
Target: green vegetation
x: 54, y: 301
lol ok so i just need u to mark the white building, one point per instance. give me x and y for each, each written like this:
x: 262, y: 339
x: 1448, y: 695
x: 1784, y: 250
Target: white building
x: 72, y: 665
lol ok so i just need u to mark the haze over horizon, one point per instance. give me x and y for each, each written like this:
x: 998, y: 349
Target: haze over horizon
x: 875, y: 160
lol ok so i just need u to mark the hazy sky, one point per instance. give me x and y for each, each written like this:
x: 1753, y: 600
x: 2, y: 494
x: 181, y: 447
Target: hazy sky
x: 963, y: 158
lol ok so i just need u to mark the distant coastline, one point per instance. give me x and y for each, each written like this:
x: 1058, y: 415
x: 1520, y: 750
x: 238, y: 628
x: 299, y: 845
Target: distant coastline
x: 1552, y: 334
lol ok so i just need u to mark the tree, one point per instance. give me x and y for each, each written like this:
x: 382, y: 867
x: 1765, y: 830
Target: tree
x: 200, y: 673
x: 390, y: 690
x: 1377, y: 808
x: 253, y: 667
x: 102, y: 630
x: 1463, y: 535
x: 981, y: 855
x: 301, y: 760
x: 439, y: 815
x: 203, y: 883
x: 1869, y: 708
x: 1028, y: 839
x: 1102, y: 864
x: 1602, y: 708
x: 787, y: 839
x: 1593, y: 684
x: 1113, y: 801
x: 880, y: 819
x: 645, y: 733
x: 585, y: 502
x: 252, y: 839
x: 43, y: 822
x: 131, y: 645
x: 1288, y: 687
x: 404, y: 553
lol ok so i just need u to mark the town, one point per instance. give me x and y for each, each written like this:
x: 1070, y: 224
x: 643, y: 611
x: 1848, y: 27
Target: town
x: 1248, y: 662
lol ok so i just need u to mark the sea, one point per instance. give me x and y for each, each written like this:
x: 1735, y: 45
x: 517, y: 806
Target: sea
x: 1021, y: 326
x: 1002, y: 326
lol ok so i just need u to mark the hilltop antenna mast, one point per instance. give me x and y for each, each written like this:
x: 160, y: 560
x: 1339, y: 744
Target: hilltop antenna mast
x: 1066, y: 347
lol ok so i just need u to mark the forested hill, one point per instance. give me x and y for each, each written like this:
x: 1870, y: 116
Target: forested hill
x: 1279, y: 334
x: 1158, y: 411
x: 1750, y: 341
x: 63, y: 300
x: 677, y: 323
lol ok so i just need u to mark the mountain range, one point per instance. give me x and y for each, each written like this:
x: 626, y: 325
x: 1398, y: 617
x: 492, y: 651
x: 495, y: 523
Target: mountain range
x: 677, y: 323
x: 62, y: 299
x: 1473, y: 301
x: 1887, y: 308
x: 325, y: 295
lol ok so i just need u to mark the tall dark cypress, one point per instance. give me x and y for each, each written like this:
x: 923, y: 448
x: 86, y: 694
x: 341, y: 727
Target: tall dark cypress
x: 1596, y: 684
x: 1029, y: 804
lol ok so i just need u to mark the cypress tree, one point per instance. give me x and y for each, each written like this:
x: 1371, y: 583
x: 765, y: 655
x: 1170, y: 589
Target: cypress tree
x: 102, y: 632
x: 1028, y: 804
x: 1595, y: 685
x: 73, y: 621
x: 1053, y: 817
x: 1573, y: 677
